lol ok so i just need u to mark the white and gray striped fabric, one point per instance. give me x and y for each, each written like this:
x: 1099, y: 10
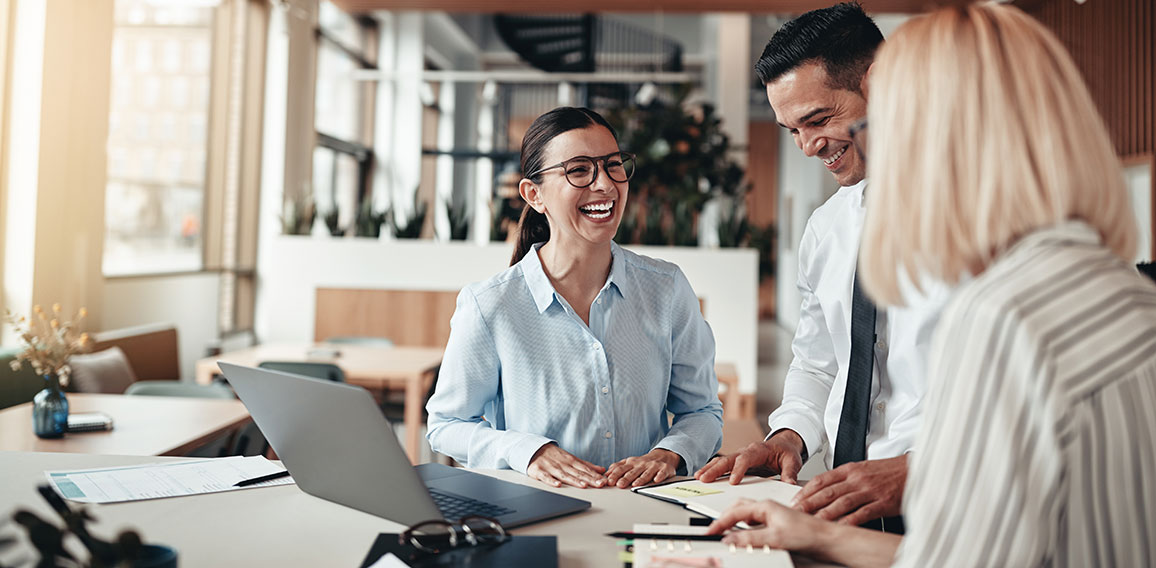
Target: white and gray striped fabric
x: 1038, y: 446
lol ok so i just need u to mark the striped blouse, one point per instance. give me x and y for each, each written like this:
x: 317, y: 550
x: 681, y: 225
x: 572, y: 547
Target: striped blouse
x: 1038, y: 446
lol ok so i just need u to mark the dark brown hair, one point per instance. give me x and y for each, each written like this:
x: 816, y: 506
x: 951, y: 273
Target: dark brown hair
x: 533, y: 227
x: 842, y: 37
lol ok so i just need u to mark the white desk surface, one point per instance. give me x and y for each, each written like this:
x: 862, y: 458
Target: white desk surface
x: 283, y: 526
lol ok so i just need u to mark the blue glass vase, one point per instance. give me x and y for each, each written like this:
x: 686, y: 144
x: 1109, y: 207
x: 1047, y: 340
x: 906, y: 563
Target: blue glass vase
x: 50, y: 409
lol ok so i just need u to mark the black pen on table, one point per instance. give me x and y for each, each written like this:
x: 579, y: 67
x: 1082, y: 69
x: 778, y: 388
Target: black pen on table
x: 263, y: 478
x: 653, y: 536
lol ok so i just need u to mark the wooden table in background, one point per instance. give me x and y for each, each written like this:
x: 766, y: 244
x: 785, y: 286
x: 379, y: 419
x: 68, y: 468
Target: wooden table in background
x: 375, y: 368
x: 142, y: 425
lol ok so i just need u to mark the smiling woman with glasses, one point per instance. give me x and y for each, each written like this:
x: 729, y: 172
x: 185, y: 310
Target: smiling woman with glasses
x: 581, y: 171
x: 566, y: 365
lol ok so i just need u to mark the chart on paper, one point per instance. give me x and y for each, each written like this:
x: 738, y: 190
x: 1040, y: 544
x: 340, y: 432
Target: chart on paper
x: 160, y: 480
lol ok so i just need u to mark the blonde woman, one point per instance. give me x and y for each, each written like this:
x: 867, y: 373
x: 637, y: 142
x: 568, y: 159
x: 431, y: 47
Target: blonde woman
x: 991, y: 166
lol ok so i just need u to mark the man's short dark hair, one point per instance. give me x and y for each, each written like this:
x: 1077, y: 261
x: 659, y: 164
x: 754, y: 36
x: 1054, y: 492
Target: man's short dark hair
x: 842, y: 37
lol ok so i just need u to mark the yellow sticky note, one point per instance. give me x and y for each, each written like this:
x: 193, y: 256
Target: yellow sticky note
x: 688, y: 490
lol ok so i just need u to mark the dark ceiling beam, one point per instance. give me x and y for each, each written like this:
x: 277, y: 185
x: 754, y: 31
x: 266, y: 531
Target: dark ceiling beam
x: 596, y: 6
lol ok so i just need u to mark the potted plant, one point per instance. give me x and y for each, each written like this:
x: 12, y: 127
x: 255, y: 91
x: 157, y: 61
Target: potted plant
x: 411, y: 227
x: 48, y: 344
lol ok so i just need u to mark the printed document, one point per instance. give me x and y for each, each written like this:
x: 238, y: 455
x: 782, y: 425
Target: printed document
x: 163, y: 479
x: 711, y: 499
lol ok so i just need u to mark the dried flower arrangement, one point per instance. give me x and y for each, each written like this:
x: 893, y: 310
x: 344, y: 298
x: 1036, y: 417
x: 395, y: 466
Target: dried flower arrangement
x: 49, y: 342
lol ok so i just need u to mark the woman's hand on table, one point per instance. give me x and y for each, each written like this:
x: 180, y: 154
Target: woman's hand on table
x: 653, y: 467
x: 554, y: 466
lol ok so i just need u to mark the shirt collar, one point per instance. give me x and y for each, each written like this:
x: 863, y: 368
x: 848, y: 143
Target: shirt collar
x: 617, y: 269
x: 1072, y: 231
x: 536, y: 279
x: 543, y: 291
x: 858, y: 192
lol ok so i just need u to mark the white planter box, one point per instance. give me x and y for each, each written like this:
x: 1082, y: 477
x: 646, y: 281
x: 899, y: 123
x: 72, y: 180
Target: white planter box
x: 291, y: 268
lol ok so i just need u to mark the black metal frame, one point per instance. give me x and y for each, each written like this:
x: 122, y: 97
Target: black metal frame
x: 360, y: 152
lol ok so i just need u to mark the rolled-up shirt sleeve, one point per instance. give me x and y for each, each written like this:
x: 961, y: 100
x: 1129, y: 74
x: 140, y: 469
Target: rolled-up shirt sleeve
x: 468, y: 388
x: 812, y: 372
x: 696, y: 432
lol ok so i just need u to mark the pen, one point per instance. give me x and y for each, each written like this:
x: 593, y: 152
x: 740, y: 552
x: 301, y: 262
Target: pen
x: 636, y: 536
x: 256, y: 480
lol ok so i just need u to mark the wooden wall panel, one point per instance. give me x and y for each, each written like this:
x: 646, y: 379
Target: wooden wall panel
x: 1114, y: 44
x: 762, y: 201
x: 419, y: 318
x: 763, y: 171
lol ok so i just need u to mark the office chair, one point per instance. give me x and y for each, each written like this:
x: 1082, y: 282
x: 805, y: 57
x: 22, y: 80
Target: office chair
x: 179, y: 388
x: 235, y: 444
x: 327, y: 371
x: 365, y: 340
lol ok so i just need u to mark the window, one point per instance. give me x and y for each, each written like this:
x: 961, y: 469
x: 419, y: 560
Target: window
x: 158, y: 121
x: 343, y: 115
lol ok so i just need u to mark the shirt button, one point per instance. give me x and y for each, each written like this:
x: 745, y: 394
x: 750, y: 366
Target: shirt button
x: 881, y: 345
x: 605, y: 390
x: 608, y: 434
x: 880, y: 406
x: 595, y: 346
x: 600, y: 301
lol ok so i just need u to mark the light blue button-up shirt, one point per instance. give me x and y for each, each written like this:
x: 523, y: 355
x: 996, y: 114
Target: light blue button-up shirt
x: 522, y: 370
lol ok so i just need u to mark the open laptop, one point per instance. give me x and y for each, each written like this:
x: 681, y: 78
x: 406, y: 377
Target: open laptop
x: 334, y: 440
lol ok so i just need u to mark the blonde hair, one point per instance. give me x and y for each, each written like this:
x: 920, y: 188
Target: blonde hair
x: 981, y: 131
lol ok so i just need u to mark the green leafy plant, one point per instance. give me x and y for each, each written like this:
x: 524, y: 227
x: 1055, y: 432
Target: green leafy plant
x: 683, y: 229
x: 459, y: 221
x: 411, y: 228
x: 298, y: 216
x: 628, y: 227
x: 331, y: 220
x: 653, y: 232
x: 368, y: 223
x: 733, y: 227
x: 736, y: 230
x: 763, y: 238
x: 684, y: 160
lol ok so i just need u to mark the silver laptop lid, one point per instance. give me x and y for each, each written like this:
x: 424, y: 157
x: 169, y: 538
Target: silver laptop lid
x: 334, y: 440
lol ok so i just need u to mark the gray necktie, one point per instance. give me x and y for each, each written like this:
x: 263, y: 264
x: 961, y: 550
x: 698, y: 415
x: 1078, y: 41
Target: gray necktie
x: 851, y: 443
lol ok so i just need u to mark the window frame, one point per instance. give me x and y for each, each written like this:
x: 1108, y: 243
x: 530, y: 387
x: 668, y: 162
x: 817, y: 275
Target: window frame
x: 360, y: 150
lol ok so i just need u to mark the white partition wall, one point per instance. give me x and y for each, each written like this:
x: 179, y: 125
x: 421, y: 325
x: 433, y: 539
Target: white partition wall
x: 292, y: 268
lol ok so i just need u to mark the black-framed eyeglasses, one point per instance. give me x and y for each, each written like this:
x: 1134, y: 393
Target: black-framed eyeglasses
x: 581, y: 171
x: 437, y: 536
x: 858, y: 134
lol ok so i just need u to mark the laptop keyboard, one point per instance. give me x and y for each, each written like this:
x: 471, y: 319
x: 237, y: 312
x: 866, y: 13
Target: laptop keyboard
x: 456, y: 507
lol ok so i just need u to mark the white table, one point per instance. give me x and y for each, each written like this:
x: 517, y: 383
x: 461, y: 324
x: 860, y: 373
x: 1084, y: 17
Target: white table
x: 142, y: 425
x: 283, y: 526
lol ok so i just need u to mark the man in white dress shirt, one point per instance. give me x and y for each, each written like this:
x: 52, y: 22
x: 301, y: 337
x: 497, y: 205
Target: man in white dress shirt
x: 815, y: 71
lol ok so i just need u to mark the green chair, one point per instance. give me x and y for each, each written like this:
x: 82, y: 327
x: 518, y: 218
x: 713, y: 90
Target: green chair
x: 179, y: 388
x: 233, y: 444
x: 365, y: 340
x: 17, y: 387
x: 327, y: 371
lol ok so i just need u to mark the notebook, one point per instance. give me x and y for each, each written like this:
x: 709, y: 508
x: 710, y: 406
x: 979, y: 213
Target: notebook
x: 711, y: 499
x: 657, y: 553
x: 89, y: 422
x: 537, y: 551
